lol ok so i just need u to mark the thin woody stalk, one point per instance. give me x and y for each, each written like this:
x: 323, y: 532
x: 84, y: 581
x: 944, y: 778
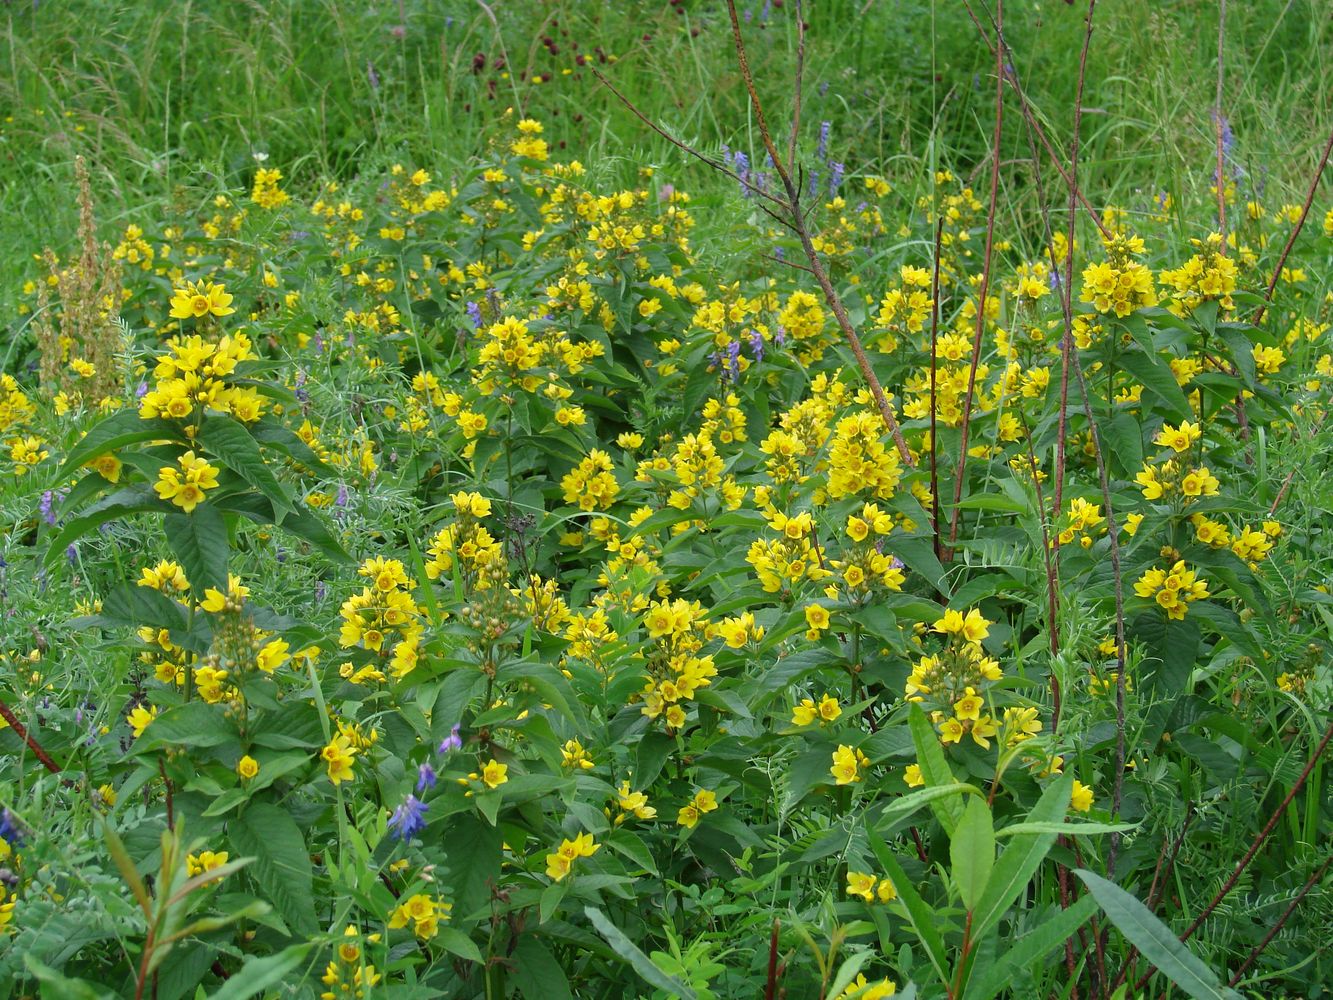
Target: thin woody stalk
x: 985, y: 280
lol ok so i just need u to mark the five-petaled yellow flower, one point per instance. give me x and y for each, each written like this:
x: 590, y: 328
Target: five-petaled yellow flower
x: 186, y: 486
x: 197, y: 300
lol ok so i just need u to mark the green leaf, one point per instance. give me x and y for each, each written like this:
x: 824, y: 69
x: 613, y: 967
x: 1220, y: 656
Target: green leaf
x: 924, y: 920
x: 934, y: 768
x: 1031, y: 949
x: 116, y: 431
x: 536, y: 972
x: 472, y: 848
x: 272, y: 432
x: 231, y: 443
x: 1021, y: 859
x: 1068, y: 829
x: 637, y: 960
x: 972, y: 852
x: 1156, y: 376
x: 282, y: 867
x: 258, y: 974
x: 130, y: 500
x: 899, y: 809
x: 1154, y: 940
x: 919, y: 555
x: 194, y: 724
x: 56, y: 986
x: 457, y: 943
x: 199, y: 542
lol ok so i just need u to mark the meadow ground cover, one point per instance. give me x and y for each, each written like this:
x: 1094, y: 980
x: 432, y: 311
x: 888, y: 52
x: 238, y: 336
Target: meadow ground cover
x: 455, y: 543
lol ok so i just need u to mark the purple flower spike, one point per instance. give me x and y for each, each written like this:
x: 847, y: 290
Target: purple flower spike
x: 409, y: 819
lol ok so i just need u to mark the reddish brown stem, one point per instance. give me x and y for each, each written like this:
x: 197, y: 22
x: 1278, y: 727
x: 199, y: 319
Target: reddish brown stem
x: 1281, y: 921
x: 1217, y: 129
x: 771, y: 986
x: 29, y: 739
x: 1254, y: 847
x: 1296, y: 231
x: 1066, y: 285
x: 934, y: 356
x: 985, y: 279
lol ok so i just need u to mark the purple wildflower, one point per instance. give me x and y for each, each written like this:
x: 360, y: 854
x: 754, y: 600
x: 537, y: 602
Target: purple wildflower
x: 824, y: 127
x: 835, y: 177
x: 48, y: 514
x: 425, y: 777
x: 757, y: 345
x: 141, y: 390
x: 734, y: 359
x: 451, y: 742
x: 372, y: 76
x: 409, y: 819
x: 72, y: 553
x: 474, y: 314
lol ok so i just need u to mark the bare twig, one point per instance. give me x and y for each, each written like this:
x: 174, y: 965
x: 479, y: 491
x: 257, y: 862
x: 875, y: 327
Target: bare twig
x: 934, y: 356
x: 1281, y: 921
x: 1026, y: 107
x: 796, y: 92
x: 1296, y: 231
x: 1258, y: 842
x: 1067, y: 284
x: 1217, y: 129
x: 985, y: 279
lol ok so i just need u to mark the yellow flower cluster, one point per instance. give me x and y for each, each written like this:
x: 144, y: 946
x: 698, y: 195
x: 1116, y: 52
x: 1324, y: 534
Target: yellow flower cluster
x: 953, y: 678
x: 1209, y: 274
x: 266, y: 193
x: 704, y: 801
x: 848, y: 764
x: 807, y: 711
x: 192, y: 378
x: 1083, y: 521
x: 870, y: 888
x: 348, y: 976
x: 1173, y: 590
x: 862, y: 565
x: 784, y: 561
x: 185, y: 486
x: 1120, y: 284
x: 677, y: 631
x: 591, y: 485
x: 424, y: 913
x: 383, y: 618
x: 467, y: 545
x: 1170, y: 478
x: 859, y: 461
x: 559, y: 864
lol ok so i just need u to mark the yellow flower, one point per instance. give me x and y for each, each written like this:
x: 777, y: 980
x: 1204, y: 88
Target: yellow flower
x: 1081, y: 799
x: 140, y: 717
x: 186, y: 487
x: 247, y: 767
x: 338, y: 755
x: 494, y: 774
x: 848, y: 763
x: 912, y: 776
x: 204, y: 861
x: 862, y: 885
x: 196, y: 300
x: 862, y: 989
x: 704, y: 801
x: 272, y: 656
x: 817, y: 617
